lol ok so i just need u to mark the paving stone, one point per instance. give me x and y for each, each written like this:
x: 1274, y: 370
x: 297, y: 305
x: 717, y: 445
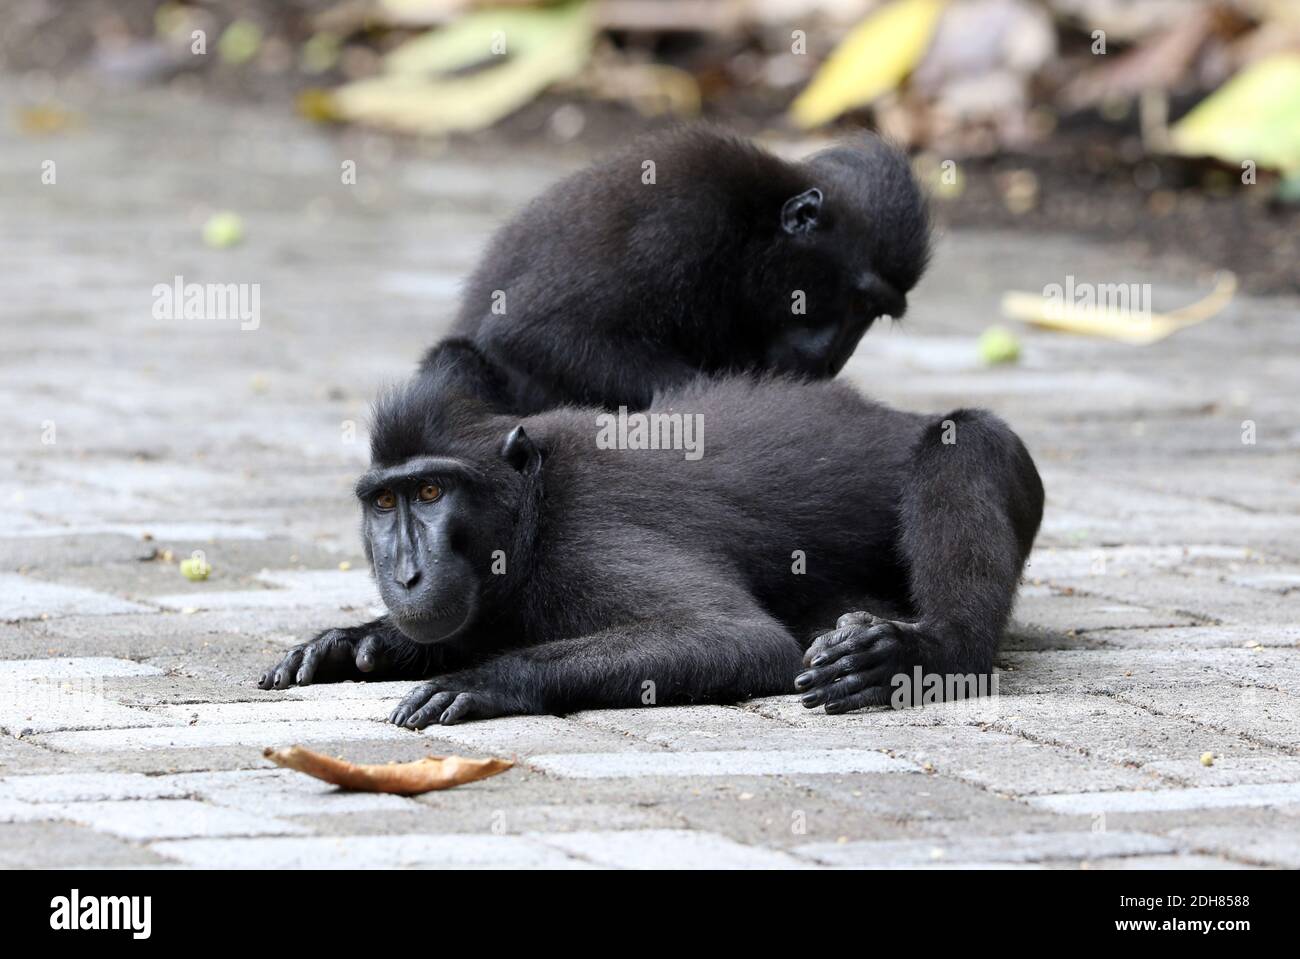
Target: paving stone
x: 1010, y: 765
x: 1116, y: 670
x: 273, y: 628
x: 1110, y: 512
x: 1279, y: 668
x: 192, y: 643
x: 1184, y: 861
x: 178, y: 691
x: 778, y: 811
x: 1265, y: 846
x: 245, y: 755
x: 510, y: 802
x: 86, y: 667
x: 557, y: 817
x: 1229, y: 772
x: 1211, y: 601
x: 1054, y: 564
x: 787, y: 709
x: 63, y: 552
x: 533, y: 734
x: 89, y: 787
x: 1262, y: 715
x: 329, y: 692
x: 223, y: 734
x: 164, y: 532
x: 1207, y: 797
x: 1114, y: 731
x: 270, y: 711
x: 665, y: 849
x: 927, y: 801
x: 1021, y: 848
x: 1225, y: 637
x: 17, y: 755
x: 1275, y: 581
x: 693, y: 728
x: 684, y: 727
x: 276, y: 792
x: 353, y: 852
x: 716, y: 763
x: 291, y: 588
x: 42, y: 706
x: 61, y: 845
x: 143, y: 568
x: 22, y: 597
x: 489, y: 815
x: 149, y: 819
x: 15, y: 810
x: 1079, y: 614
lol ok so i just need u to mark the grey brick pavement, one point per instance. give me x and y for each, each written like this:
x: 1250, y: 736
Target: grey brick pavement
x: 1158, y: 622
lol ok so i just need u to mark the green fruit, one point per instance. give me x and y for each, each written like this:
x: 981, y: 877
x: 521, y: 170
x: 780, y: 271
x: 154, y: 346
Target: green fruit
x: 195, y: 569
x: 239, y: 42
x: 997, y: 344
x: 320, y: 53
x: 223, y: 229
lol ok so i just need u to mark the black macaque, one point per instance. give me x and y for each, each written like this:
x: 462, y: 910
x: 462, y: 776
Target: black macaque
x: 527, y: 570
x: 690, y: 252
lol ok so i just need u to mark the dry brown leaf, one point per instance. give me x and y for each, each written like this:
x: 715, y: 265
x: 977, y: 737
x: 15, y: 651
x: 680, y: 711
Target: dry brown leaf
x: 405, y: 779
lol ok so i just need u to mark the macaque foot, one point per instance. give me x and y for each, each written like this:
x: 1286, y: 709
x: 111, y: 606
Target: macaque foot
x: 854, y: 665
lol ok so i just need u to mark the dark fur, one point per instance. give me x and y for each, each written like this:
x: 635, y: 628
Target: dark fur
x: 615, y: 288
x: 628, y: 567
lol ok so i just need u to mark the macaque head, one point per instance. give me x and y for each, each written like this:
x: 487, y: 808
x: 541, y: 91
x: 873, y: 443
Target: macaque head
x: 849, y: 249
x: 440, y: 508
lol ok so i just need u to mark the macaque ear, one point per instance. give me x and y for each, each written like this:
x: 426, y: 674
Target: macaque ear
x: 799, y: 213
x: 519, y: 451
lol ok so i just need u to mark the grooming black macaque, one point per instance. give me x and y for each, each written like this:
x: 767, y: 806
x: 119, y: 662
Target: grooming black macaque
x: 607, y: 288
x: 527, y: 571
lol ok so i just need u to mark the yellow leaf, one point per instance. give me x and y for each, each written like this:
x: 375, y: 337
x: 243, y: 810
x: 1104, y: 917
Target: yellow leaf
x: 480, y: 37
x: 873, y: 59
x: 1254, y: 116
x: 1115, y: 322
x: 545, y: 47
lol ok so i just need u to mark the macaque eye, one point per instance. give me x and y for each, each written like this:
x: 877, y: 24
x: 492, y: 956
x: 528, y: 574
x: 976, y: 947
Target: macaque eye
x: 385, y: 499
x: 429, y: 492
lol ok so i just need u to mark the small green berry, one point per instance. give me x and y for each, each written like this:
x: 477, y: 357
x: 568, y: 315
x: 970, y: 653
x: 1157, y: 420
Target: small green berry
x: 195, y: 569
x: 239, y: 42
x: 223, y: 229
x: 997, y: 344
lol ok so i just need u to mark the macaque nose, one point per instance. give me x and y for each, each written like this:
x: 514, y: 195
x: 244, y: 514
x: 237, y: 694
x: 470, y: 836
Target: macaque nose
x: 406, y: 574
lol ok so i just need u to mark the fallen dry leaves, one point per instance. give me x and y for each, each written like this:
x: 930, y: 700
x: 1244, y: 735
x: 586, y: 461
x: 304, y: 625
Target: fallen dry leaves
x: 405, y: 779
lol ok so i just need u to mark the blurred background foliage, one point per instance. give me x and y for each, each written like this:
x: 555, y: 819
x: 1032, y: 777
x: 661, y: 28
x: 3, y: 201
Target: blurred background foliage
x: 1174, y: 124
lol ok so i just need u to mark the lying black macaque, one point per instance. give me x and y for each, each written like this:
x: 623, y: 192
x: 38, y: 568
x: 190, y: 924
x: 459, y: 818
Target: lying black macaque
x: 527, y: 570
x: 695, y: 251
